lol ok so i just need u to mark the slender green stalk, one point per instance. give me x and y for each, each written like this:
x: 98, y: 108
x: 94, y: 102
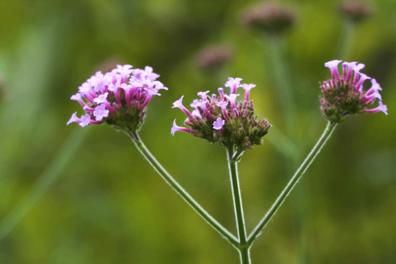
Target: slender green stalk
x: 284, y: 85
x: 345, y: 43
x: 293, y: 182
x: 51, y: 173
x: 283, y: 82
x: 180, y: 191
x: 238, y: 208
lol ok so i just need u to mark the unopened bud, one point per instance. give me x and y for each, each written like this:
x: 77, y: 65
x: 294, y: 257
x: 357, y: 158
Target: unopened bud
x: 271, y: 17
x: 213, y: 57
x: 356, y: 11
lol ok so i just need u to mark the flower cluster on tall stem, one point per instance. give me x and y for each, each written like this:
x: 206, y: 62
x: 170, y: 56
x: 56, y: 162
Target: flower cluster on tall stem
x: 344, y: 95
x: 118, y: 98
x: 223, y: 119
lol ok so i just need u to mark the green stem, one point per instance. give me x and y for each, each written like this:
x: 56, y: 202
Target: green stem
x: 345, y: 43
x: 243, y: 247
x: 50, y: 174
x: 180, y: 191
x: 282, y: 79
x: 293, y: 182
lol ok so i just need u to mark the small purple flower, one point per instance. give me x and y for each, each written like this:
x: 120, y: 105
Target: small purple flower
x: 85, y: 88
x: 85, y: 120
x: 101, y: 98
x: 101, y: 112
x: 218, y: 124
x: 179, y: 104
x: 176, y: 128
x: 247, y: 88
x: 233, y: 84
x: 196, y: 113
x: 203, y: 95
x: 344, y: 95
x: 221, y: 93
x: 381, y: 108
x: 333, y: 66
x: 232, y: 99
x: 73, y: 118
x: 118, y: 97
x: 223, y: 106
x: 195, y: 102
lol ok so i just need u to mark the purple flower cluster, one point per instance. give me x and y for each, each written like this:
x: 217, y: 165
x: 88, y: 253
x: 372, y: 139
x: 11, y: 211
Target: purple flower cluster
x: 223, y: 119
x: 118, y: 98
x: 344, y: 94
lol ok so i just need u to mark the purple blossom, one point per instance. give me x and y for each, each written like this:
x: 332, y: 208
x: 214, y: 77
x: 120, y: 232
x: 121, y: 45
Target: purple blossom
x: 381, y: 108
x: 73, y: 118
x: 247, y: 88
x: 85, y: 88
x: 221, y: 93
x: 343, y: 96
x: 179, y: 104
x: 223, y: 106
x: 196, y: 113
x: 101, y: 112
x: 85, y: 120
x: 101, y: 98
x: 332, y: 65
x: 195, y: 102
x: 203, y: 95
x: 218, y: 124
x: 233, y: 84
x: 232, y: 99
x: 363, y: 77
x: 115, y: 95
x: 76, y: 97
x: 176, y: 128
x: 373, y: 92
x: 202, y: 105
x: 212, y: 119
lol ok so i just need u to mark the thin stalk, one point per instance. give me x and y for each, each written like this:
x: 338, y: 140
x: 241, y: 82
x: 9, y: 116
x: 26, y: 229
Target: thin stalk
x: 282, y: 79
x: 49, y: 176
x: 284, y: 85
x: 293, y: 182
x: 180, y: 191
x: 345, y: 43
x: 238, y: 209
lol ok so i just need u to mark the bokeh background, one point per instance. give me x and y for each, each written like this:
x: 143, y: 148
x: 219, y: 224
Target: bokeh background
x: 102, y: 203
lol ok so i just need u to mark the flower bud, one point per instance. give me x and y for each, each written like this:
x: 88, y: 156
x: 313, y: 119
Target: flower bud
x: 344, y: 95
x: 118, y: 98
x: 270, y: 17
x: 355, y: 10
x: 213, y: 57
x: 223, y: 119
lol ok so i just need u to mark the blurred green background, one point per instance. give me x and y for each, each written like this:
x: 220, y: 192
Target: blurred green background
x: 108, y: 206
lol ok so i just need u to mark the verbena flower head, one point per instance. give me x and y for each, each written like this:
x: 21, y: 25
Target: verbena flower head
x: 118, y: 98
x: 270, y: 17
x: 224, y: 119
x: 344, y: 95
